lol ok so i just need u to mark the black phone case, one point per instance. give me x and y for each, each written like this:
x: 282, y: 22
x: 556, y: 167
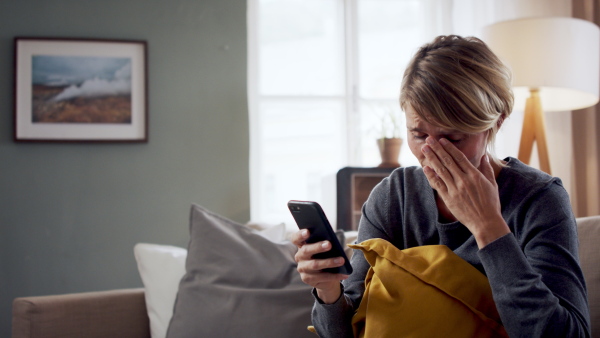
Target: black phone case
x: 309, y: 215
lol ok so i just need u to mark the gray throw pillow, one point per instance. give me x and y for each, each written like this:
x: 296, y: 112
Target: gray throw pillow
x: 238, y: 284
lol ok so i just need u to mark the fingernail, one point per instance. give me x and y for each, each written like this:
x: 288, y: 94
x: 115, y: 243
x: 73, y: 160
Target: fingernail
x: 425, y: 149
x: 443, y: 141
x: 304, y: 233
x: 324, y: 245
x: 430, y: 140
x: 339, y: 260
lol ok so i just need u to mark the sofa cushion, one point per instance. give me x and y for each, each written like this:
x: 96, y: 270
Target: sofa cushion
x: 588, y: 229
x: 238, y: 284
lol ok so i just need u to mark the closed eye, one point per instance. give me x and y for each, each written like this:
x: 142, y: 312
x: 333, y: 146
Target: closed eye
x: 419, y: 136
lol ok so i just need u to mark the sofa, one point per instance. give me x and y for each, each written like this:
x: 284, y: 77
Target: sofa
x: 148, y: 311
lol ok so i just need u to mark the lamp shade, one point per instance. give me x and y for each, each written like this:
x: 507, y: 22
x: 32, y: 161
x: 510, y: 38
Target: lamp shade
x: 560, y: 56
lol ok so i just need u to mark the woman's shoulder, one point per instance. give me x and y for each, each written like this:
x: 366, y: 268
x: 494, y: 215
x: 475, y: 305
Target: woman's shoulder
x: 402, y: 182
x: 411, y: 173
x: 523, y: 187
x: 518, y: 173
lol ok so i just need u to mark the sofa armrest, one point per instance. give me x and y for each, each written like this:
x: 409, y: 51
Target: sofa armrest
x: 114, y: 313
x: 588, y: 229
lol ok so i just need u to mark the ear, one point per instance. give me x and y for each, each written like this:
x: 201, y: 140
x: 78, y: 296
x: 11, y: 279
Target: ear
x: 500, y: 122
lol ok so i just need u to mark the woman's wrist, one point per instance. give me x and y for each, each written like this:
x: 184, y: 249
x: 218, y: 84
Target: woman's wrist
x: 330, y: 295
x: 491, y: 232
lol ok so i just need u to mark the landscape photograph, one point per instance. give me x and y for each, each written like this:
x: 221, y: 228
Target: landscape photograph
x: 81, y: 89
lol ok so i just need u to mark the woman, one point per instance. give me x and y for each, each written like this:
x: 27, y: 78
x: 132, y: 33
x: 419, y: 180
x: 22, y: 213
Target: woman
x: 510, y: 221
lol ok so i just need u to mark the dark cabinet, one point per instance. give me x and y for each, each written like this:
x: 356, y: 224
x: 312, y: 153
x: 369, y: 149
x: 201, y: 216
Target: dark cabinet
x: 354, y: 184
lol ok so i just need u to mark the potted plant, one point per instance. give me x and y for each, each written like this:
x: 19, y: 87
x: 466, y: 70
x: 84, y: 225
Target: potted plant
x: 389, y: 141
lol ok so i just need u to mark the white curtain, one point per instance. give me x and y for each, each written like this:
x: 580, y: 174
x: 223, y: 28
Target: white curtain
x: 586, y: 137
x: 467, y: 17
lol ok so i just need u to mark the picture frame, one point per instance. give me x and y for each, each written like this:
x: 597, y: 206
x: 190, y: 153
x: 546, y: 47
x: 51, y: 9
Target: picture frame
x: 80, y: 90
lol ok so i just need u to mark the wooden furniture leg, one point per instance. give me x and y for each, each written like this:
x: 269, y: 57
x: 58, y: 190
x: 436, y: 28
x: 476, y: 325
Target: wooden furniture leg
x: 534, y: 129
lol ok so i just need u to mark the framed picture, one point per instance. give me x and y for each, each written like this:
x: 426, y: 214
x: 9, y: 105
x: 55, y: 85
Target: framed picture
x: 73, y: 90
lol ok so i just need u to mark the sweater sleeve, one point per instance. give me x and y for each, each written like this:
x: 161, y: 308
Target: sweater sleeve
x: 534, y: 272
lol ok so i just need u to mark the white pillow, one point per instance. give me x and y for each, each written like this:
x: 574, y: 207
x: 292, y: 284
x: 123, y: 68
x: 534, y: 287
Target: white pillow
x: 273, y: 232
x: 161, y: 268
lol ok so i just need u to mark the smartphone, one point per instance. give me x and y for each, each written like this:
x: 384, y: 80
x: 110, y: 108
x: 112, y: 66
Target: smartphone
x: 309, y: 215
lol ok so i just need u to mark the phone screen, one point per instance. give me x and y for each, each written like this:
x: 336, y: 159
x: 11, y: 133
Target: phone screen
x: 309, y: 215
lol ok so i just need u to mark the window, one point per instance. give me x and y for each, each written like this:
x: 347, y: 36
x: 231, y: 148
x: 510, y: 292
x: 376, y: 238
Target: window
x: 322, y: 75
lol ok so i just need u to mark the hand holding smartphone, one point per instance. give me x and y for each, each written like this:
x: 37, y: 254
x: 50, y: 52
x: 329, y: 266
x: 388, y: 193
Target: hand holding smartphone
x: 309, y: 215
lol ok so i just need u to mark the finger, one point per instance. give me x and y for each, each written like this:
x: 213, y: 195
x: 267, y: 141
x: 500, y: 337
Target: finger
x: 486, y: 168
x: 316, y: 279
x: 435, y: 162
x: 316, y: 265
x: 459, y: 159
x: 299, y: 238
x: 434, y: 180
x: 307, y: 251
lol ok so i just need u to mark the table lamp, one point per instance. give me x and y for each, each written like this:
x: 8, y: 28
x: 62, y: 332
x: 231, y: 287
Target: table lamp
x: 556, y: 66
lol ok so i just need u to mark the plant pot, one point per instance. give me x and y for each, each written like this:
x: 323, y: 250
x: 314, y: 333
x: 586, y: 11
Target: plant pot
x: 389, y: 149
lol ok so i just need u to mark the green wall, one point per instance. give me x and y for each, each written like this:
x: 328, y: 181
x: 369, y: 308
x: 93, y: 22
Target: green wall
x: 70, y: 214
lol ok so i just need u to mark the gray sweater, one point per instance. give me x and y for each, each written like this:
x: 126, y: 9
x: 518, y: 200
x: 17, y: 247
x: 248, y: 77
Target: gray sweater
x: 534, y: 272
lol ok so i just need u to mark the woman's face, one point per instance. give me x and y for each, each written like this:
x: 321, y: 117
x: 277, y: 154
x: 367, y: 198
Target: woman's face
x: 472, y: 145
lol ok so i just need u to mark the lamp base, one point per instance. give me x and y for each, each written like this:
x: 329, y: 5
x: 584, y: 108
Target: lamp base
x: 534, y: 130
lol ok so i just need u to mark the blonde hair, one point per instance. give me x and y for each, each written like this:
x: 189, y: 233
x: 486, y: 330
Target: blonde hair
x: 458, y: 83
